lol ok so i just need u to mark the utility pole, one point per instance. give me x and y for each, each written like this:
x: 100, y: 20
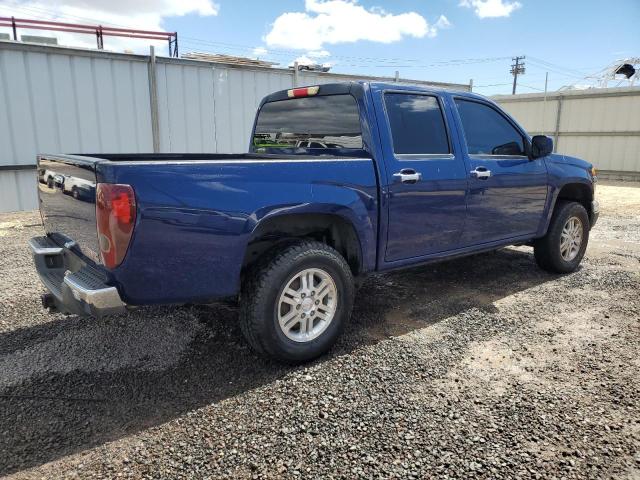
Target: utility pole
x: 544, y: 102
x: 516, y: 68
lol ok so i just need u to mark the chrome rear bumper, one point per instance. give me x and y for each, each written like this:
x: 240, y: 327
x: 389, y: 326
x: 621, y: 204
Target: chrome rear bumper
x: 76, y: 286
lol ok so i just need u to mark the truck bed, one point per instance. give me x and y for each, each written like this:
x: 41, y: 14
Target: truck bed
x: 196, y: 212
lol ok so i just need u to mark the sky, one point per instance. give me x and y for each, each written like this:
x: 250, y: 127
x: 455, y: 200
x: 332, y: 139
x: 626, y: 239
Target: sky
x: 437, y: 40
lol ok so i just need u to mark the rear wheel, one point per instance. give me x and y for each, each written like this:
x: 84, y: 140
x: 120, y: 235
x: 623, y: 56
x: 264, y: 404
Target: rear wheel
x: 295, y: 304
x: 562, y: 248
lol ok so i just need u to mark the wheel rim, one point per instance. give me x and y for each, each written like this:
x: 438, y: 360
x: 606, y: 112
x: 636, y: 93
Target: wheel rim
x: 307, y: 305
x: 571, y: 239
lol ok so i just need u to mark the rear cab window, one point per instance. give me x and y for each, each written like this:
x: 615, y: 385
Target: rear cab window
x: 326, y: 123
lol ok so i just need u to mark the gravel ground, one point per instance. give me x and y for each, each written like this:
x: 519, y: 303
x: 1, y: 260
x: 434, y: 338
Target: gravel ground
x: 483, y: 367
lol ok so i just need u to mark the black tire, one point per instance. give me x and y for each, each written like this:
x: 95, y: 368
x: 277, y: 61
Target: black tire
x: 74, y: 193
x: 260, y: 294
x: 50, y: 182
x: 547, y: 249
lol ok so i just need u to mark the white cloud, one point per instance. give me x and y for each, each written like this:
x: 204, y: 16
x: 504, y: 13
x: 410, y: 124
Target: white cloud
x: 442, y: 22
x: 491, y: 8
x: 138, y: 14
x: 318, y: 54
x: 260, y: 52
x: 303, y: 60
x: 343, y: 21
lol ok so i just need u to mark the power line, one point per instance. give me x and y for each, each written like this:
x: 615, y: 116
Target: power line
x: 557, y: 70
x: 558, y: 67
x: 532, y: 88
x: 492, y: 85
x: 347, y: 61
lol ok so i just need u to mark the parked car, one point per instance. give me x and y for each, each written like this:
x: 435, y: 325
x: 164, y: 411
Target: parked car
x: 429, y: 175
x: 79, y: 188
x: 316, y: 144
x: 49, y: 177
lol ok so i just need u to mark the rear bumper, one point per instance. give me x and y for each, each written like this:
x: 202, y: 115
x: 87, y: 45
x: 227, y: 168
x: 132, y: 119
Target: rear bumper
x: 595, y: 212
x: 75, y: 286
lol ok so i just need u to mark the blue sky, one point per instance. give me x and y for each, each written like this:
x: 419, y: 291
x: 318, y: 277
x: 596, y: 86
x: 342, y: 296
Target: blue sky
x: 378, y: 37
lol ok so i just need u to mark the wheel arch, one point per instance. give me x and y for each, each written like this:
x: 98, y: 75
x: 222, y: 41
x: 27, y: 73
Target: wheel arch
x: 577, y: 190
x: 329, y: 228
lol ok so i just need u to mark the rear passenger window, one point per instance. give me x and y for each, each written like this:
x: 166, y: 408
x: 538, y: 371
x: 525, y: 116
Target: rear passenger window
x: 487, y: 131
x: 417, y: 124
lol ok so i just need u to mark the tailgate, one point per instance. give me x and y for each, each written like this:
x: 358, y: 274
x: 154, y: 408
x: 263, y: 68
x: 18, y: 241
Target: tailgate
x: 67, y: 197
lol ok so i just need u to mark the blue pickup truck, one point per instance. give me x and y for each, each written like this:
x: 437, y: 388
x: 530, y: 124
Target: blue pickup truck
x: 340, y: 180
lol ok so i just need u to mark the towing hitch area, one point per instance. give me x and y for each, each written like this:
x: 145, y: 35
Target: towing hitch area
x: 48, y: 302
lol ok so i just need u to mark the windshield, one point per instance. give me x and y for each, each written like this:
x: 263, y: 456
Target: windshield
x: 323, y: 122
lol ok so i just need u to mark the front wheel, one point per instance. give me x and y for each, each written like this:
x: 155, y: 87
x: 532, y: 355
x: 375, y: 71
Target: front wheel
x: 295, y: 304
x: 562, y: 248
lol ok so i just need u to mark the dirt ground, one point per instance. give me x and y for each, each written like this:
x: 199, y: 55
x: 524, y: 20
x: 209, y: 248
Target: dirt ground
x: 483, y: 367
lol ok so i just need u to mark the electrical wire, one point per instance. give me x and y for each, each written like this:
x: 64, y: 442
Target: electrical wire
x: 379, y: 62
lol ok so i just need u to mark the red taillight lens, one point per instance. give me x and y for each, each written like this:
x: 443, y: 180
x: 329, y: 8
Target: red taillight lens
x: 303, y: 92
x: 115, y: 219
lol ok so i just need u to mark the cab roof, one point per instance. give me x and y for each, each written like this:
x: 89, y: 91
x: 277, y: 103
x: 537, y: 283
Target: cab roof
x: 349, y: 87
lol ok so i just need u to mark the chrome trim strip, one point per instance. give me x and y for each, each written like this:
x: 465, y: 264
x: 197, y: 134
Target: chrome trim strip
x: 424, y: 156
x: 37, y: 249
x: 489, y: 156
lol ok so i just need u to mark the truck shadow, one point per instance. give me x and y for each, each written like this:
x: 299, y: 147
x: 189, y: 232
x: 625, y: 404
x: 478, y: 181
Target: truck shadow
x: 72, y: 384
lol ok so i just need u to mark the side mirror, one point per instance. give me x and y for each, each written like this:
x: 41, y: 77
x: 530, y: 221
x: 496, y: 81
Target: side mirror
x: 541, y: 146
x: 511, y: 148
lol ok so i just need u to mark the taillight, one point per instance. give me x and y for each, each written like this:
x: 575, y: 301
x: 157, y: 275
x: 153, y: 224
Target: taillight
x: 303, y: 92
x: 115, y: 219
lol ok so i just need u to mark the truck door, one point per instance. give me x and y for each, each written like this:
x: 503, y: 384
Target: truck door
x: 507, y: 191
x: 426, y: 179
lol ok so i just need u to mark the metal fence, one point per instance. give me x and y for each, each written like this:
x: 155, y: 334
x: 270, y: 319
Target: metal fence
x: 57, y: 99
x: 600, y: 125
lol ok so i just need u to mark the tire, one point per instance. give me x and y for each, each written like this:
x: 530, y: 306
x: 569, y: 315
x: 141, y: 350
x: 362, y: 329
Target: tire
x: 262, y: 309
x: 74, y: 193
x: 50, y: 183
x: 547, y: 250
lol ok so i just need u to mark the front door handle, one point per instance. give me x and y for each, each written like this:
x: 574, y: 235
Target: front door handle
x: 408, y: 175
x: 481, y: 173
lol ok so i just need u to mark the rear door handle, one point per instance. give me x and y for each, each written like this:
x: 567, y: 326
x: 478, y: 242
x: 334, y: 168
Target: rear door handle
x: 481, y: 173
x: 408, y: 175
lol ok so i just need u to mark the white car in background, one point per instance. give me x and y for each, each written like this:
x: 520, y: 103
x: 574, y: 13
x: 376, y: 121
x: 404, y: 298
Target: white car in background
x: 77, y: 187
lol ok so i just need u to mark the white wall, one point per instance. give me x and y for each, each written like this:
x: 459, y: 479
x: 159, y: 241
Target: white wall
x: 69, y: 100
x: 599, y: 125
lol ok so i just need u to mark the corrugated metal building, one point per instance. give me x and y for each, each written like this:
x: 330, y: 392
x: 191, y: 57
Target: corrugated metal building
x: 56, y: 99
x: 599, y: 125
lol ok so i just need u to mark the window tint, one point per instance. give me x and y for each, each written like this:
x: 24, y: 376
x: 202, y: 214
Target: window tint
x: 417, y: 125
x: 330, y: 121
x: 487, y: 131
